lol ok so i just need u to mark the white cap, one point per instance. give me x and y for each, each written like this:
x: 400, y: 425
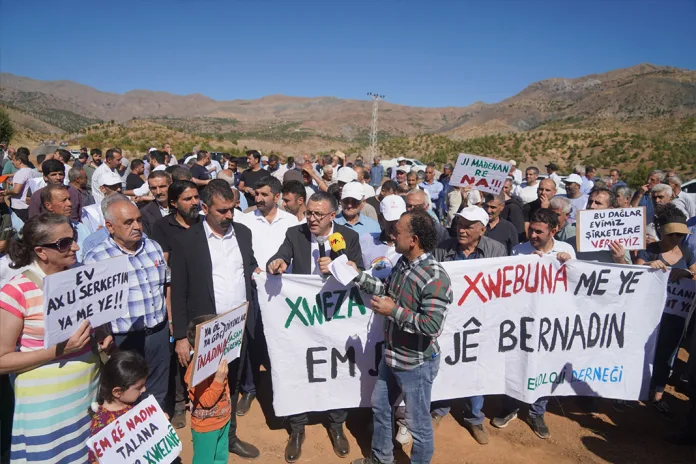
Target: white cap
x: 405, y: 168
x: 110, y: 178
x: 473, y: 197
x: 400, y: 158
x: 346, y: 175
x: 353, y: 190
x: 392, y: 207
x: 513, y: 162
x: 152, y: 149
x: 573, y: 179
x: 474, y: 214
x: 264, y: 158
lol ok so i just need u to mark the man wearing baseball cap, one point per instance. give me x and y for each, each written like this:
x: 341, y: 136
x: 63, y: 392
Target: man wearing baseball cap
x: 401, y: 173
x: 578, y: 200
x: 92, y: 215
x: 378, y: 248
x: 351, y: 216
x: 400, y: 161
x: 515, y: 173
x: 469, y: 242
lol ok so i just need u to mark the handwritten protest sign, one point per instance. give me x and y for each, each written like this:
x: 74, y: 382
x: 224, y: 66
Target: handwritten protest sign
x: 483, y: 174
x: 523, y: 326
x: 218, y: 337
x: 142, y: 435
x: 95, y: 292
x: 596, y: 228
x: 679, y: 297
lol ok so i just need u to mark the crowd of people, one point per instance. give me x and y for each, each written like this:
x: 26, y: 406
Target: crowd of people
x: 196, y: 230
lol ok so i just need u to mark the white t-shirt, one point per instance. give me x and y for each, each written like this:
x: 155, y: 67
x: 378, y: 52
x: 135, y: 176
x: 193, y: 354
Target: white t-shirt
x: 526, y: 248
x: 378, y: 257
x: 266, y: 237
x: 22, y: 177
x: 528, y: 193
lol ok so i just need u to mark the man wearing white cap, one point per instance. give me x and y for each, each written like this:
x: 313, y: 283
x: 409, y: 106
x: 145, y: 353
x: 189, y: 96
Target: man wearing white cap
x: 351, y: 216
x: 401, y: 173
x: 112, y: 160
x: 515, y: 173
x: 578, y: 200
x: 264, y: 162
x: 92, y: 215
x: 543, y: 225
x: 401, y: 161
x: 378, y: 248
x: 470, y: 242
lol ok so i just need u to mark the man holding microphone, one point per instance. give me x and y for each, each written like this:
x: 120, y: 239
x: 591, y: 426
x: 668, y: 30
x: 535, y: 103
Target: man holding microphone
x: 414, y: 301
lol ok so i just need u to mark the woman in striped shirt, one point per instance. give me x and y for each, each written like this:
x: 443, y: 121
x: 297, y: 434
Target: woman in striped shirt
x: 53, y: 387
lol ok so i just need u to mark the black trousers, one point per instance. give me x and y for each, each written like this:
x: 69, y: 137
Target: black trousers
x: 671, y: 328
x: 153, y: 345
x: 336, y: 419
x: 6, y: 414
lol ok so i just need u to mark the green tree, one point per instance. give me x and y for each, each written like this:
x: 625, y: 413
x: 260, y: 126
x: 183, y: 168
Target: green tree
x: 6, y: 129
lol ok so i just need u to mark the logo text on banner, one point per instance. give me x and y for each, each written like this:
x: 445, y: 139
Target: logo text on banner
x: 524, y: 326
x: 596, y: 228
x: 679, y: 297
x: 218, y: 337
x: 95, y: 292
x: 484, y: 174
x: 142, y: 435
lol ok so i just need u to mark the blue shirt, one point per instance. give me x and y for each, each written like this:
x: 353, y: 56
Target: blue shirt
x: 147, y: 274
x: 376, y: 175
x: 365, y: 225
x: 646, y: 201
x: 473, y: 255
x: 434, y: 189
x: 93, y: 239
x: 82, y: 234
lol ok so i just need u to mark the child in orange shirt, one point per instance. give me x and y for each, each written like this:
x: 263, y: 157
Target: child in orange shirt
x: 211, y: 409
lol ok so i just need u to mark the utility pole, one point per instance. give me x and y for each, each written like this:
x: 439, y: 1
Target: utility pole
x: 376, y: 98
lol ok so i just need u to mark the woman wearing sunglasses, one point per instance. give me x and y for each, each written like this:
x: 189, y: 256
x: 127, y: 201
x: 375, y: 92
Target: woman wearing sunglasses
x: 671, y: 254
x: 54, y: 387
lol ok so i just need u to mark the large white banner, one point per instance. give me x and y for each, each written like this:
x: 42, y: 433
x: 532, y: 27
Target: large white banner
x: 523, y: 326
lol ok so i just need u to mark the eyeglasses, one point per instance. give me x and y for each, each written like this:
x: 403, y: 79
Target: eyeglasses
x: 62, y: 245
x: 316, y: 215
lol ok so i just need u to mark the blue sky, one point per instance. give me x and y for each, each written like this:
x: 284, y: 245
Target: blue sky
x: 417, y: 53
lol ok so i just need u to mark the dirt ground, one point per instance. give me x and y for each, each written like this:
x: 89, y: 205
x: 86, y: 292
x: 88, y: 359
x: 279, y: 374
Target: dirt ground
x: 607, y: 436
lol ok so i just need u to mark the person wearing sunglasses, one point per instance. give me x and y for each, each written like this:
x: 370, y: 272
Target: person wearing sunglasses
x: 70, y: 369
x: 305, y: 248
x: 669, y: 254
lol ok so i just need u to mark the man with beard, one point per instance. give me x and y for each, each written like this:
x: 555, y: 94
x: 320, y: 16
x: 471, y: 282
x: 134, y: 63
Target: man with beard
x: 268, y: 225
x: 94, y: 163
x: 158, y: 182
x: 294, y: 198
x: 184, y: 207
x: 499, y: 229
x: 212, y: 265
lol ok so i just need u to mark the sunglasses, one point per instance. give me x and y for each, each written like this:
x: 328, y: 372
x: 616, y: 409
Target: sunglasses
x: 63, y: 245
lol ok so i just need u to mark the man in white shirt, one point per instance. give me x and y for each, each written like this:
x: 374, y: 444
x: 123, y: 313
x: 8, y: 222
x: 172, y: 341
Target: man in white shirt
x: 276, y: 169
x: 578, y: 200
x: 93, y: 215
x: 543, y: 225
x: 527, y: 191
x: 585, y: 174
x: 268, y: 225
x: 516, y: 174
x: 682, y: 200
x: 551, y: 169
x: 368, y: 190
x: 64, y: 156
x: 111, y: 161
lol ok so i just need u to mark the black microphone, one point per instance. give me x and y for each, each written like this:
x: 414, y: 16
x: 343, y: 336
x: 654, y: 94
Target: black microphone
x: 320, y: 242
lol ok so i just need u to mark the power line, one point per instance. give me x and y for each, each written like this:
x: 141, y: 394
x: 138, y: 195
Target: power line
x: 376, y: 98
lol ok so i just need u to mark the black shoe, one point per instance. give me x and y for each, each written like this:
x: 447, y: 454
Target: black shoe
x: 179, y: 420
x: 538, y: 424
x: 244, y: 450
x: 244, y: 403
x: 340, y: 443
x: 293, y: 450
x: 364, y: 461
x: 502, y: 422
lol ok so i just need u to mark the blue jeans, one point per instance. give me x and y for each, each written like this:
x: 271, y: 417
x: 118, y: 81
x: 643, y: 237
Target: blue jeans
x: 416, y: 386
x: 538, y: 408
x: 474, y: 415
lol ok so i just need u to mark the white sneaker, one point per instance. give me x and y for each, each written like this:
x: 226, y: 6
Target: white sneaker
x: 403, y: 436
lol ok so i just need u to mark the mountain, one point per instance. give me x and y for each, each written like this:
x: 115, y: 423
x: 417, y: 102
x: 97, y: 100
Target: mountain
x: 640, y: 99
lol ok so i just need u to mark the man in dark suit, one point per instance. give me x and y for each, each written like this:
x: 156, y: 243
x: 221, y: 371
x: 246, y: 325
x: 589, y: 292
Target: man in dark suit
x: 212, y: 264
x: 301, y: 248
x: 158, y: 183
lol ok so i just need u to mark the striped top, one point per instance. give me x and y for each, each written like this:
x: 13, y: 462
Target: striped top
x: 23, y: 299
